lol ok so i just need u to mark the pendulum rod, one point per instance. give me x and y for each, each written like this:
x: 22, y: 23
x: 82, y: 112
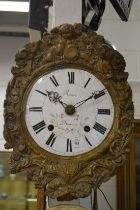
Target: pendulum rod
x: 41, y: 199
x: 95, y: 200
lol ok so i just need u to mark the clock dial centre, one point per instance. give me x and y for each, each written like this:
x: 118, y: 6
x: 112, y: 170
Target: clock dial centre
x: 70, y: 109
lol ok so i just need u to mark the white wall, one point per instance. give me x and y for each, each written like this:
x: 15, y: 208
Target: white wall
x: 8, y: 48
x: 126, y: 38
x: 67, y: 11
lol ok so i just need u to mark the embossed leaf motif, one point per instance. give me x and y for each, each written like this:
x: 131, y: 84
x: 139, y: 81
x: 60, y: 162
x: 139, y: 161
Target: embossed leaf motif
x: 68, y: 46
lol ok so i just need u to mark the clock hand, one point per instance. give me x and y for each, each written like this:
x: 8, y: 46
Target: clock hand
x: 62, y: 103
x: 94, y: 95
x: 99, y: 93
x: 54, y: 97
x: 83, y: 101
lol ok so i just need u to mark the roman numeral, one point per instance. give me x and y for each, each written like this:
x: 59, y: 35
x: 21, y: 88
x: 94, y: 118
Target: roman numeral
x: 54, y: 81
x: 104, y: 111
x: 101, y: 129
x: 35, y: 109
x: 39, y: 127
x: 71, y: 77
x: 88, y: 141
x: 87, y: 83
x: 69, y: 145
x: 41, y: 92
x: 100, y: 94
x: 51, y: 140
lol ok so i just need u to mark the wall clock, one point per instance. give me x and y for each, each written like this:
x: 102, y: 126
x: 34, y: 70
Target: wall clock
x: 68, y: 112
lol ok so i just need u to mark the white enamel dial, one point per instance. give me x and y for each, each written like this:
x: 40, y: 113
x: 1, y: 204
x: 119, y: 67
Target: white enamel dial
x: 69, y: 112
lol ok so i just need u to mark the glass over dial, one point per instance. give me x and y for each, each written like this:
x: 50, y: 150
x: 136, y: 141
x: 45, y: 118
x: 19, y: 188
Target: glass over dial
x: 69, y: 112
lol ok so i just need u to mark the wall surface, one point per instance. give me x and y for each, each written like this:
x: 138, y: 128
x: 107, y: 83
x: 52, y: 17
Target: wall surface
x: 125, y: 37
x: 8, y: 48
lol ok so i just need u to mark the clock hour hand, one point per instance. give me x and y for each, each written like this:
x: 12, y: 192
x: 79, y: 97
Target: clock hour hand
x: 55, y: 98
x: 62, y: 103
x: 94, y: 95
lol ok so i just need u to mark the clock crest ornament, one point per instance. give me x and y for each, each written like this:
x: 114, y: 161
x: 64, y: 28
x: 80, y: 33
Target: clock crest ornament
x: 68, y: 112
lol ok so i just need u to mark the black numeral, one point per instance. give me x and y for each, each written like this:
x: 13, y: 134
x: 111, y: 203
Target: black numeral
x: 39, y: 126
x: 35, y: 109
x: 71, y: 77
x: 87, y: 82
x: 69, y: 145
x: 88, y: 141
x: 98, y: 95
x: 41, y: 92
x: 51, y: 140
x: 101, y: 129
x: 104, y: 111
x: 54, y: 81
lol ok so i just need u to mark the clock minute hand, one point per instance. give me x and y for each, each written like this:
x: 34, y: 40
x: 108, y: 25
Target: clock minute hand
x: 83, y: 101
x: 100, y: 93
x: 94, y: 95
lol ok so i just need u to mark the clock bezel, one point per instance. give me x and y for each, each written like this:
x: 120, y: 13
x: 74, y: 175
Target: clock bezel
x: 93, y: 153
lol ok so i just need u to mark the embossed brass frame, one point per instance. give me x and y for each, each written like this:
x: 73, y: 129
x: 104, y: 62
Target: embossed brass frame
x: 76, y: 47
